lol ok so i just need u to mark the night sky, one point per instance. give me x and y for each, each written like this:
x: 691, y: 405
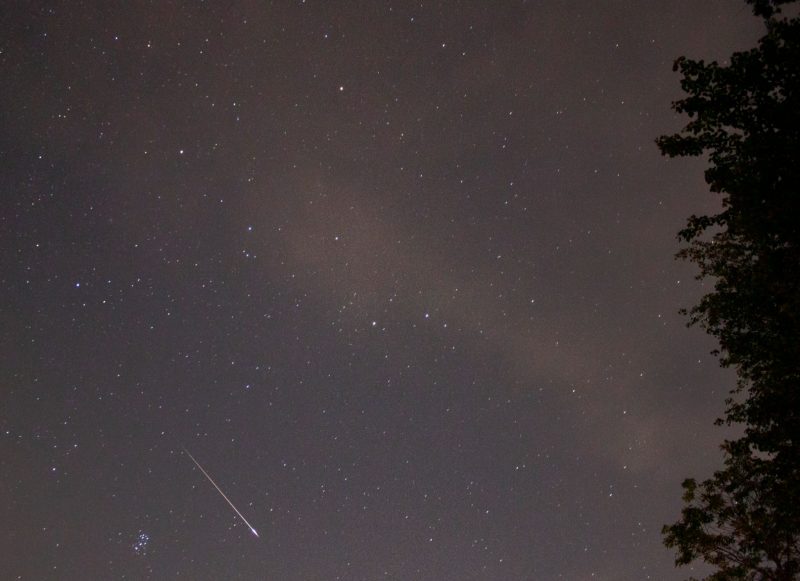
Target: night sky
x: 399, y: 276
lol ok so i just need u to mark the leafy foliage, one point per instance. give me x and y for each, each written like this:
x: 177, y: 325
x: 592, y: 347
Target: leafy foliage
x: 739, y: 521
x: 746, y: 117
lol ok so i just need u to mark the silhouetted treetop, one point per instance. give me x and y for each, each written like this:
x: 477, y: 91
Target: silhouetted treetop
x: 745, y: 116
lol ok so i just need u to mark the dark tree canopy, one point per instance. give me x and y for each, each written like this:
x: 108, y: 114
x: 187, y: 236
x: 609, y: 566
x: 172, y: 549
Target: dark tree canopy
x: 767, y: 8
x: 745, y: 116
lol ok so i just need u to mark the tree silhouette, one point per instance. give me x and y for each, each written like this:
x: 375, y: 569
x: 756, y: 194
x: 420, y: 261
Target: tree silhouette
x: 745, y: 116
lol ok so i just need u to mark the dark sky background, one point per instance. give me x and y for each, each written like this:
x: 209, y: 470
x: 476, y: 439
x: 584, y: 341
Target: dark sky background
x: 399, y: 275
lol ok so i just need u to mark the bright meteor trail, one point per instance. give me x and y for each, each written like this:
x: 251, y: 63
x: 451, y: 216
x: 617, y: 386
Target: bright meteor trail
x: 241, y: 516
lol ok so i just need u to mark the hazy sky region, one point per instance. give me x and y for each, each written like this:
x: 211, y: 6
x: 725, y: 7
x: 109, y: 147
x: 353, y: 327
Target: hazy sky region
x: 398, y: 275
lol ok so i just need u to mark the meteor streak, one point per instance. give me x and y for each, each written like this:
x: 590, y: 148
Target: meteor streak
x: 228, y: 500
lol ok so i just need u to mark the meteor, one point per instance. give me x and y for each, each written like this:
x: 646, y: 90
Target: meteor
x: 228, y: 500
